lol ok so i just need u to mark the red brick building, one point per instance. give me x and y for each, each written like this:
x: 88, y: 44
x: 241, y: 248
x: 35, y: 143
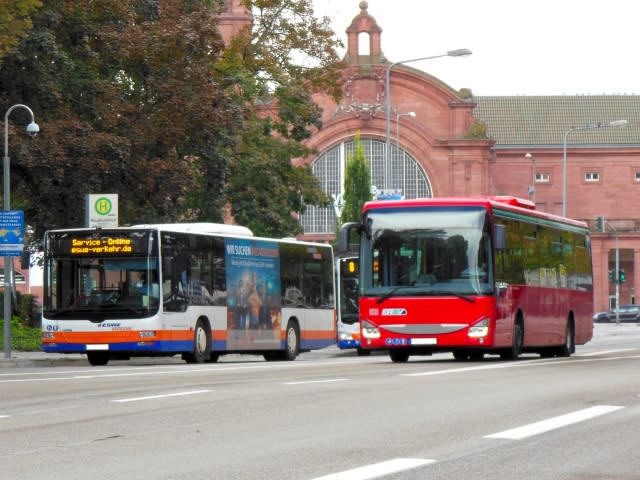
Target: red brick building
x: 447, y: 142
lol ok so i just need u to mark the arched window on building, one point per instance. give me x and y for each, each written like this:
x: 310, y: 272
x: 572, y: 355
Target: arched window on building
x: 329, y: 168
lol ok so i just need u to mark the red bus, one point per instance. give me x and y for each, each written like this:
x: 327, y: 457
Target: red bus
x: 472, y: 276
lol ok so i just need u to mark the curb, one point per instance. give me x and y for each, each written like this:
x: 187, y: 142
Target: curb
x: 18, y: 362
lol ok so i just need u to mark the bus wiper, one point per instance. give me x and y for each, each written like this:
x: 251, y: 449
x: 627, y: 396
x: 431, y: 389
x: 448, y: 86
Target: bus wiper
x: 449, y: 292
x: 391, y: 292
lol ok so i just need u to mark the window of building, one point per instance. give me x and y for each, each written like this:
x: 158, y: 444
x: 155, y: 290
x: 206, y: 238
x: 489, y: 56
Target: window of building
x: 406, y: 175
x: 542, y: 178
x: 637, y: 176
x: 592, y: 177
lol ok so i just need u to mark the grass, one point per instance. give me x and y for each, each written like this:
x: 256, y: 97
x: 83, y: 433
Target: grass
x: 23, y: 338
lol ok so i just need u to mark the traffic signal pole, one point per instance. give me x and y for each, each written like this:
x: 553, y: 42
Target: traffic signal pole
x: 617, y: 272
x: 617, y: 281
x: 600, y: 223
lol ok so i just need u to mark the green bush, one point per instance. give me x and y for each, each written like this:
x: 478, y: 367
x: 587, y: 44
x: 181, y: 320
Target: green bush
x: 26, y: 308
x: 23, y: 337
x: 25, y: 324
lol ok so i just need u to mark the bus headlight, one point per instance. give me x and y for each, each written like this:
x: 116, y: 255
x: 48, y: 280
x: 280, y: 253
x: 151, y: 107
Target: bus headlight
x: 479, y: 329
x: 369, y: 330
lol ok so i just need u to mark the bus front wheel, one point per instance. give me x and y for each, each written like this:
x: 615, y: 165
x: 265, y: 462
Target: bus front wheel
x: 399, y: 356
x: 98, y: 359
x: 201, y: 345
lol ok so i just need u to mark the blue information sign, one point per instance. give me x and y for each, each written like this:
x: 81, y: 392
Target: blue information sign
x: 11, y: 233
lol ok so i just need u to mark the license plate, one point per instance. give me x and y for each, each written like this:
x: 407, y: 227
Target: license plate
x: 424, y: 341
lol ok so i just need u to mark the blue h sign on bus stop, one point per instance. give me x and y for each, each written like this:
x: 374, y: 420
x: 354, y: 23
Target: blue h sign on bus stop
x: 11, y: 233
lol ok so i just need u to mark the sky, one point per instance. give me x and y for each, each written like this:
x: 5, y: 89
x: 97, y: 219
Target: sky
x: 543, y: 47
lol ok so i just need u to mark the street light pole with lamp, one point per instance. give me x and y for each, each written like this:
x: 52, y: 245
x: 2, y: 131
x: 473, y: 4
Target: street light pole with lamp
x: 614, y: 123
x: 461, y: 52
x: 398, y: 115
x: 532, y: 188
x: 32, y: 129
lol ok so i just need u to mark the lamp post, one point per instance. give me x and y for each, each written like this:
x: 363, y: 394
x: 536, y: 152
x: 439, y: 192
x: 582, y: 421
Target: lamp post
x: 613, y: 123
x: 398, y: 115
x: 532, y: 188
x: 461, y: 52
x: 32, y: 129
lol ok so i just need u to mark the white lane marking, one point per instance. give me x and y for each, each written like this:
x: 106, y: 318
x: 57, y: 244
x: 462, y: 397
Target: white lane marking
x: 538, y: 362
x: 166, y: 395
x: 492, y: 366
x: 4, y: 416
x: 378, y: 469
x: 554, y: 423
x: 150, y: 370
x: 308, y: 382
x: 604, y: 352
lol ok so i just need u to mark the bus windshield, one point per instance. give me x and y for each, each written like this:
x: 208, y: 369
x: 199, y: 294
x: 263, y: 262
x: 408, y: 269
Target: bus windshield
x: 435, y: 250
x: 97, y: 276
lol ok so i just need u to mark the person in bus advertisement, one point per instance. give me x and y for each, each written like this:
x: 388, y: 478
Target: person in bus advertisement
x: 253, y: 305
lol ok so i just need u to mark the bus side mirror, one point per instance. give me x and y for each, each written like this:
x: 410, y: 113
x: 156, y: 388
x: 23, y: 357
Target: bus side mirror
x: 345, y: 234
x: 500, y: 237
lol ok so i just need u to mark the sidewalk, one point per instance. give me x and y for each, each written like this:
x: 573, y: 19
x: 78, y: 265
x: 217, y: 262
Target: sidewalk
x: 41, y: 359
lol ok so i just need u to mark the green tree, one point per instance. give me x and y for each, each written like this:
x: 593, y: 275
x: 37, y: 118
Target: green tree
x: 128, y: 103
x: 141, y: 98
x: 357, y: 183
x: 278, y: 65
x: 14, y: 23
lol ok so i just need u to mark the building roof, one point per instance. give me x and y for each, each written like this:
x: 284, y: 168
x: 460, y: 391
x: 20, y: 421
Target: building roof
x: 543, y: 120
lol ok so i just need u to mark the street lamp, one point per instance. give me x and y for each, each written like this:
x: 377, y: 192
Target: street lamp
x: 532, y: 188
x: 398, y: 115
x: 32, y: 129
x: 461, y: 52
x: 613, y: 123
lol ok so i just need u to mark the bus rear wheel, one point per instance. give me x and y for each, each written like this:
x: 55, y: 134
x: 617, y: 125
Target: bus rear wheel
x: 569, y: 345
x: 98, y: 359
x: 292, y: 343
x: 201, y: 345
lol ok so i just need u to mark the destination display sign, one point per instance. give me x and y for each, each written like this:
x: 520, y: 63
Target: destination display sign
x: 107, y: 245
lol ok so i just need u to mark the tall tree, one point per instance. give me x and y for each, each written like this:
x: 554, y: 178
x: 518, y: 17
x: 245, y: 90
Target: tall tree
x: 128, y: 103
x: 287, y: 57
x: 140, y: 98
x: 357, y: 183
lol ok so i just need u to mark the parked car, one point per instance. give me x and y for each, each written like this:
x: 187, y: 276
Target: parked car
x: 601, y: 317
x: 628, y: 313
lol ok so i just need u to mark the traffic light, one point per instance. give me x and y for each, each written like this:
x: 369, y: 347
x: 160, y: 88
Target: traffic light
x: 621, y: 276
x: 612, y: 276
x: 600, y: 224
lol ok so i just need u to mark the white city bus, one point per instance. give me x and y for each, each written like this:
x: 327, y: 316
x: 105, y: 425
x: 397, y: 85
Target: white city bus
x: 200, y: 290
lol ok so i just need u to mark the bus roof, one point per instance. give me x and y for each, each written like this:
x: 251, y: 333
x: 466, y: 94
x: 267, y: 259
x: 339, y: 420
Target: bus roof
x: 200, y: 227
x: 503, y: 202
x: 197, y: 227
